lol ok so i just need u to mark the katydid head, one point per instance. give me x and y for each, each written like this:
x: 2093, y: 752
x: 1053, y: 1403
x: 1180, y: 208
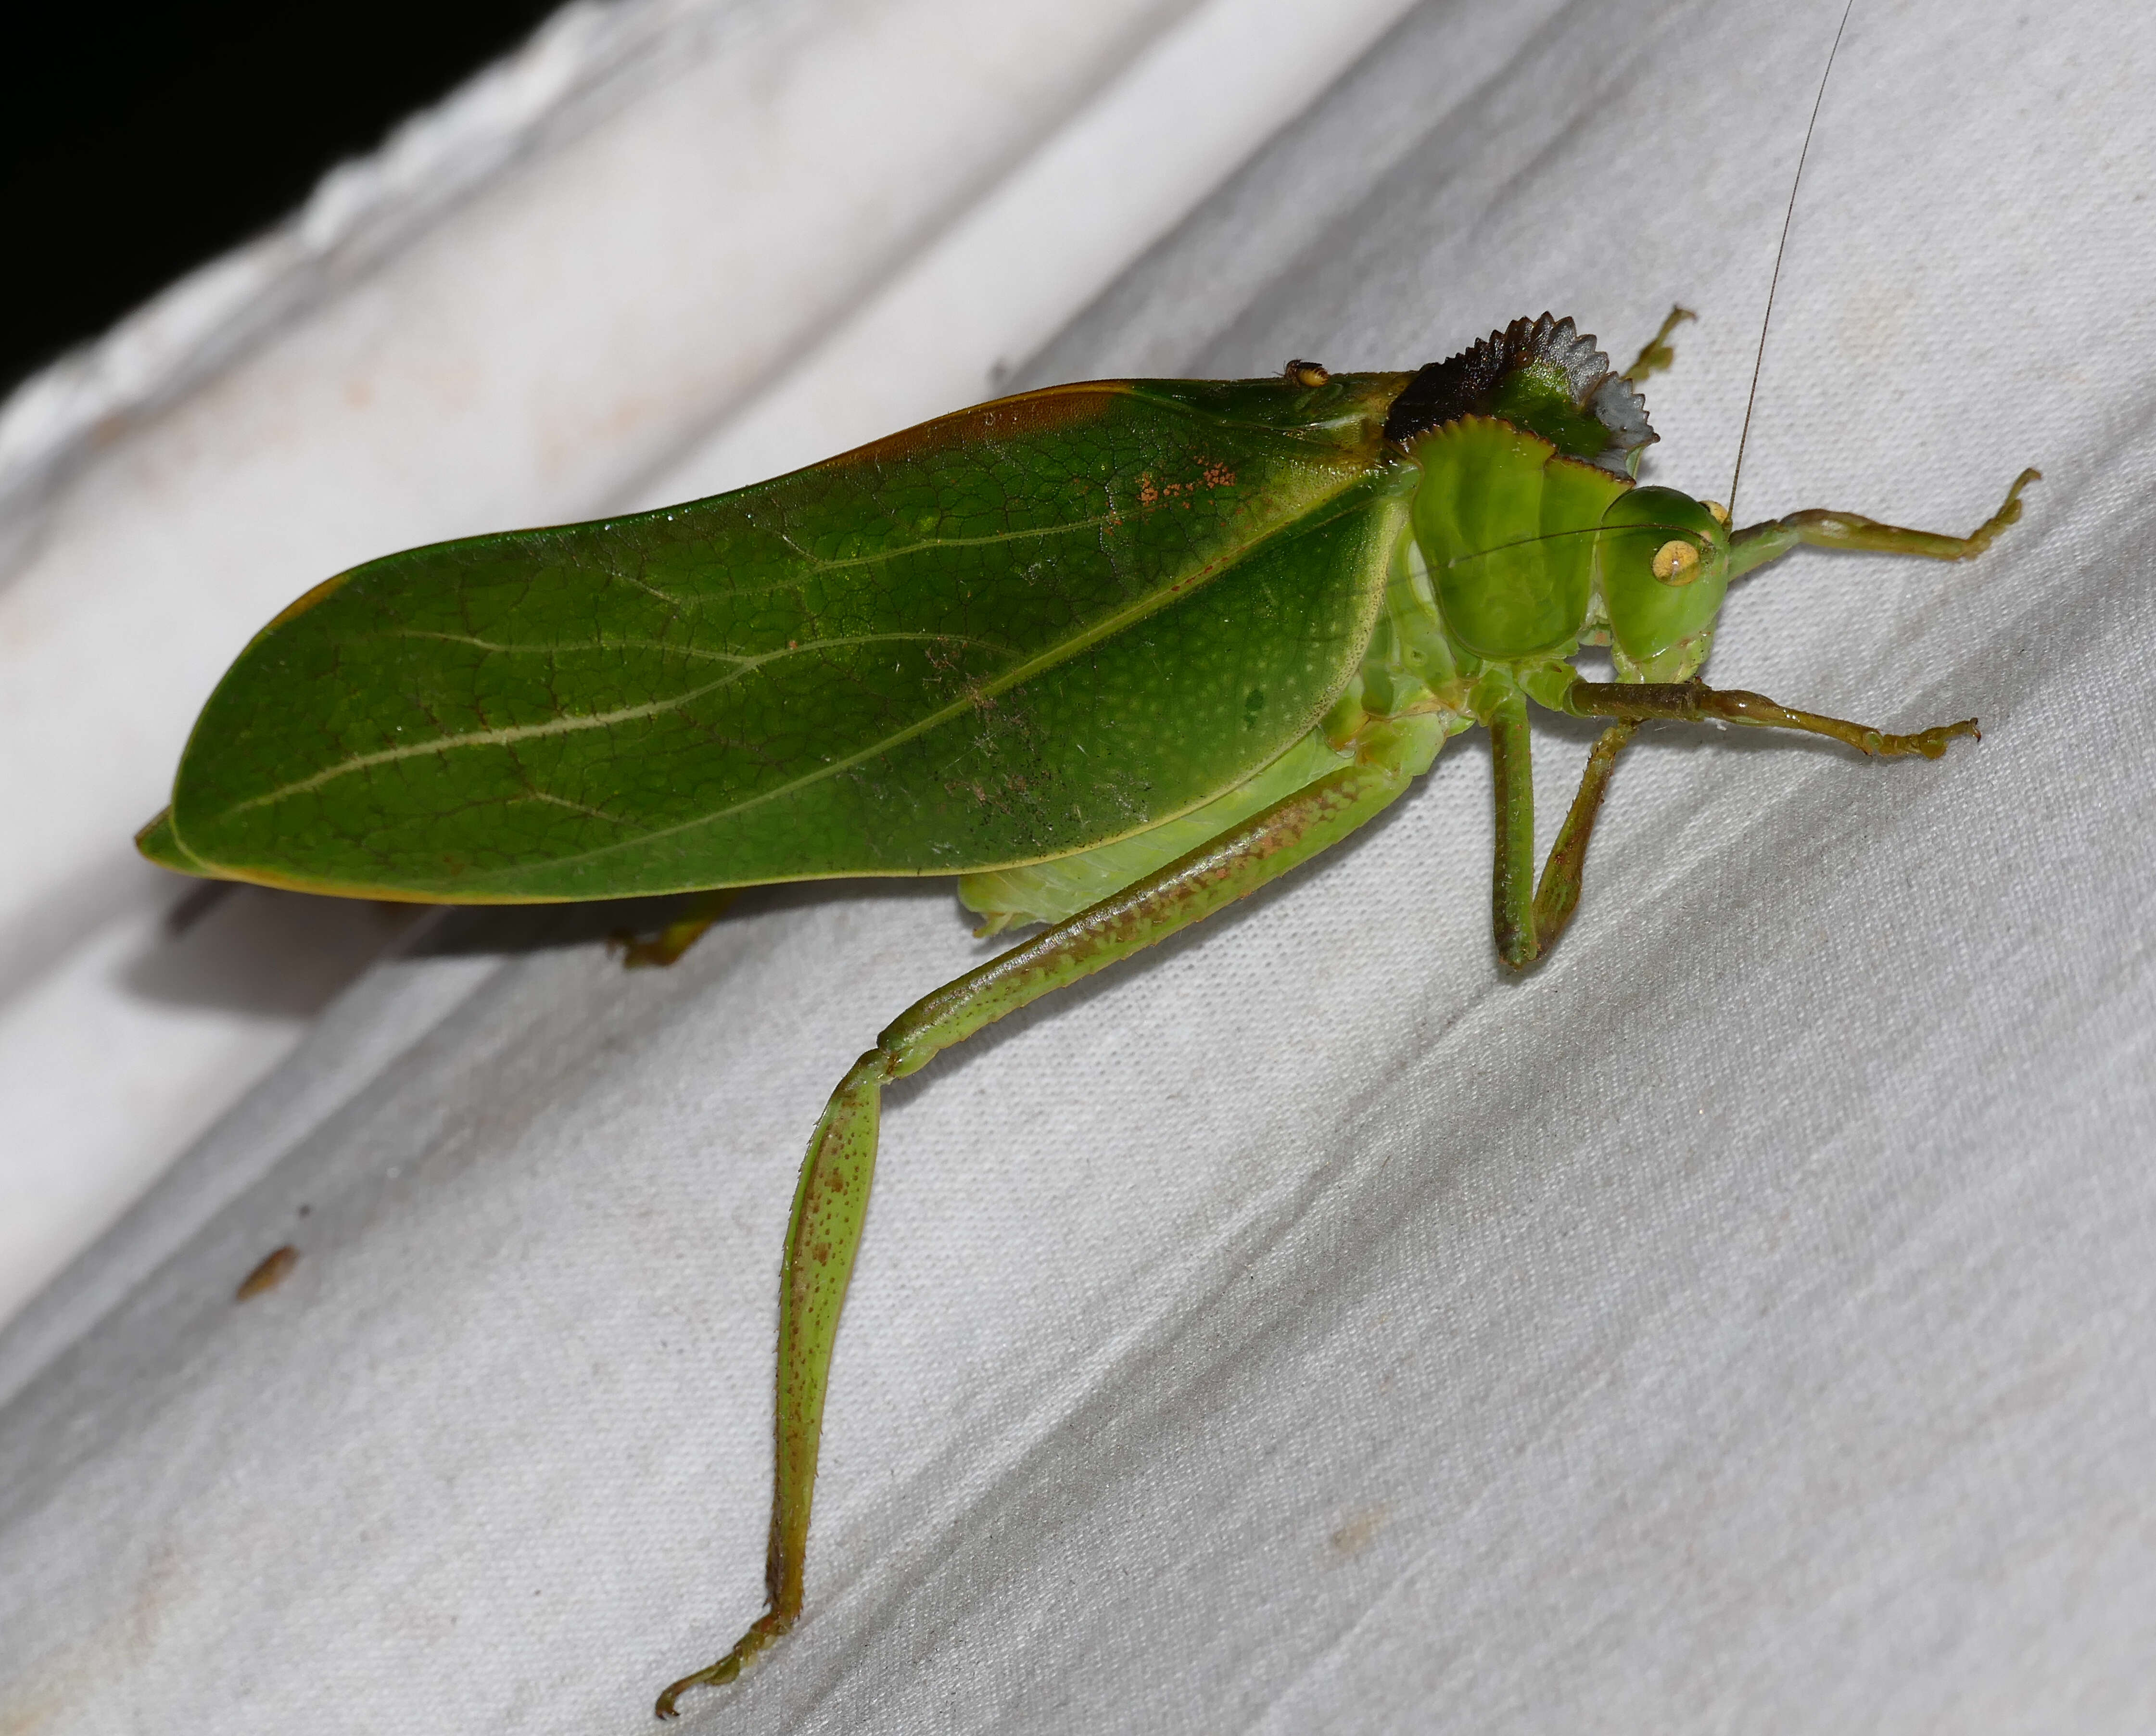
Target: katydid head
x: 1662, y: 567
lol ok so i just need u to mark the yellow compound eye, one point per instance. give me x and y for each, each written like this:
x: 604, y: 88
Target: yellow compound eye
x: 1719, y: 511
x: 1663, y: 563
x: 1676, y: 562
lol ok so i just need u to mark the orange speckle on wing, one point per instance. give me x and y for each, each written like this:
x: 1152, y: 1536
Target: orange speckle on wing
x: 1213, y: 475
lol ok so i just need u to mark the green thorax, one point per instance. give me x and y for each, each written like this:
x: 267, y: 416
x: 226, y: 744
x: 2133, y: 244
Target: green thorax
x: 1507, y: 525
x: 1517, y: 446
x: 1527, y: 535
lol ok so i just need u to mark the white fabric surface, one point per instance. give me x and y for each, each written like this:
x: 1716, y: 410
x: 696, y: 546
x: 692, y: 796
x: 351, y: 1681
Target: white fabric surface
x: 1745, y: 1321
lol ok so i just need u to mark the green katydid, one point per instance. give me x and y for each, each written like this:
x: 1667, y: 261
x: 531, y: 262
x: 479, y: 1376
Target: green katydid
x: 1118, y: 653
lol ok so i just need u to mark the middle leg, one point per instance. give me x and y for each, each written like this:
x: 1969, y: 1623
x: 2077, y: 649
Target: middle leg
x: 664, y: 949
x: 1526, y: 916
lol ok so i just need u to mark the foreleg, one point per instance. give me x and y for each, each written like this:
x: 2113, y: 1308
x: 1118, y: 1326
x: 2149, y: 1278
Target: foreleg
x: 1820, y: 527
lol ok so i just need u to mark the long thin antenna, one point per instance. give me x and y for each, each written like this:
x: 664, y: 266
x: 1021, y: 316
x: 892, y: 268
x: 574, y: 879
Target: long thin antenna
x: 1774, y: 283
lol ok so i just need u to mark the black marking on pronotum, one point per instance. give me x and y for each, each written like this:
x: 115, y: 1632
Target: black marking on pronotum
x: 1475, y: 382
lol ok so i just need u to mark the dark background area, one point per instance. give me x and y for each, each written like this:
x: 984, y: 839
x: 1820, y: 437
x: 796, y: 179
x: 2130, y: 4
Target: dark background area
x: 136, y: 142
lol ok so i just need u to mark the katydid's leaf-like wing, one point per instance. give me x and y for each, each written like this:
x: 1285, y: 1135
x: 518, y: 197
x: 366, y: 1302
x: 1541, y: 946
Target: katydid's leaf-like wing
x: 1005, y: 635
